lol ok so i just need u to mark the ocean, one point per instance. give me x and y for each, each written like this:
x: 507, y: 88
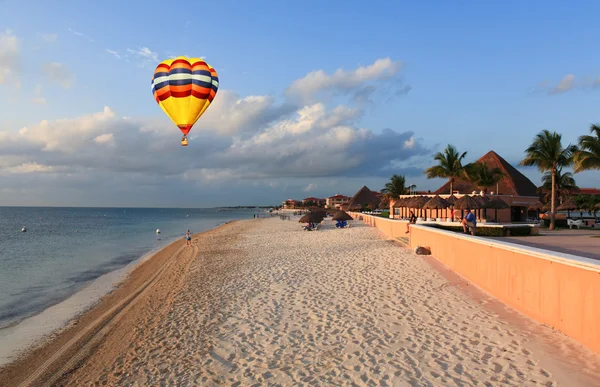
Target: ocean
x: 65, y: 249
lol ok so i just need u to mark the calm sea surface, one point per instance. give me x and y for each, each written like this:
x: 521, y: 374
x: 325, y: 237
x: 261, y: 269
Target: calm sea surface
x: 64, y: 249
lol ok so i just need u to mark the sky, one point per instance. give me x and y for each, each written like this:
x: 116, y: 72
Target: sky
x: 315, y: 98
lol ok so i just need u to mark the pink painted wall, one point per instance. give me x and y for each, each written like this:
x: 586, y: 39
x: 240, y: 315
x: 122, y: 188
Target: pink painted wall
x: 554, y: 289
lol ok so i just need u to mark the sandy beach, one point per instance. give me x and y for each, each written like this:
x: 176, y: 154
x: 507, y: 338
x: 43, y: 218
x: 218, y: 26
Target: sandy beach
x: 261, y: 302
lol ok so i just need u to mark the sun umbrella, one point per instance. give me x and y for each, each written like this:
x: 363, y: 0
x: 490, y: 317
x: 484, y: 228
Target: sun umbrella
x: 436, y: 203
x: 451, y: 199
x: 537, y: 206
x: 311, y: 217
x: 342, y: 215
x: 567, y: 205
x: 467, y: 202
x: 497, y: 204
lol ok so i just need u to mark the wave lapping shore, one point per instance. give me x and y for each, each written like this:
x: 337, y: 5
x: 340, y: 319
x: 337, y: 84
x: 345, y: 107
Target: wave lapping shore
x: 261, y: 301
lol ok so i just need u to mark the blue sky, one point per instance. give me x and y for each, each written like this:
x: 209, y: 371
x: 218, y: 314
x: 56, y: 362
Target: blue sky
x: 479, y: 75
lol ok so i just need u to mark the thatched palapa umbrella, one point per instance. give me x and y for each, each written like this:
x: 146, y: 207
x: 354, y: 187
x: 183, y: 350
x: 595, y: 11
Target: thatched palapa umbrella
x: 497, y: 204
x: 547, y: 207
x: 364, y: 197
x: 435, y: 203
x: 342, y: 215
x: 311, y: 217
x: 418, y: 203
x: 466, y: 202
x: 569, y: 206
x: 537, y: 207
x: 451, y: 199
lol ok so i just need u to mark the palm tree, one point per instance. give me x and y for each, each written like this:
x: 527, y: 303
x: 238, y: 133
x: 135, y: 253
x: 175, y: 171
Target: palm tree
x: 587, y: 157
x: 483, y: 177
x: 565, y: 184
x: 395, y: 187
x: 548, y: 155
x: 450, y: 165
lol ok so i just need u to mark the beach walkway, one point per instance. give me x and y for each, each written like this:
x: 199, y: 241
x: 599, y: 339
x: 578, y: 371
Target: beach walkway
x: 264, y: 303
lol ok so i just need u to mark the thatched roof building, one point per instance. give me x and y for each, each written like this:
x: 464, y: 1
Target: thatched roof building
x: 364, y: 197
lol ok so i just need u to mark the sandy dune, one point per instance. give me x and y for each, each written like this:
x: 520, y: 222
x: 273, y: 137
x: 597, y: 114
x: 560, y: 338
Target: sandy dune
x: 265, y: 303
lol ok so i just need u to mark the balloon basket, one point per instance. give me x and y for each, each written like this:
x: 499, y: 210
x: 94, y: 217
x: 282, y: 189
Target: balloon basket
x: 184, y: 142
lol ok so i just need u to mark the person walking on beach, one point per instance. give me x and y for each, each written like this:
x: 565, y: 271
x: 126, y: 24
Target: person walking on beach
x: 188, y: 238
x: 469, y: 221
x: 412, y: 220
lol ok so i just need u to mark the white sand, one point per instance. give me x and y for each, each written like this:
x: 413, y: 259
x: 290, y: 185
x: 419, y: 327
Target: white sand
x: 281, y: 306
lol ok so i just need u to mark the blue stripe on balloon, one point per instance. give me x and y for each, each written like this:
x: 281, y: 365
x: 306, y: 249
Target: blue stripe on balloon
x: 201, y: 72
x: 201, y: 83
x: 180, y: 71
x: 180, y: 82
x: 161, y: 85
x: 161, y: 74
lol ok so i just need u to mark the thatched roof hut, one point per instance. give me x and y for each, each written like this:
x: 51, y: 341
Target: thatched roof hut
x: 467, y: 202
x: 451, y: 199
x: 497, y: 204
x: 537, y: 206
x: 568, y: 205
x: 364, y: 197
x: 435, y: 203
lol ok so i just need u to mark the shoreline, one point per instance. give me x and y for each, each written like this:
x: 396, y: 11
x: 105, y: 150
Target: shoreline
x: 130, y: 278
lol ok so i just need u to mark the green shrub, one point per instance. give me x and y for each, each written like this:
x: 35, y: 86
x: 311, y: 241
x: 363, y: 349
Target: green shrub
x: 489, y: 231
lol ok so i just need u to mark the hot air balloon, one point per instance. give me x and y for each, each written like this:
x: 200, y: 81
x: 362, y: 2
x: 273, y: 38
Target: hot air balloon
x: 184, y: 88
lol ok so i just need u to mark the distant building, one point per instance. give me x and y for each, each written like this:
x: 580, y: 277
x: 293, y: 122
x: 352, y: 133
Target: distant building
x: 313, y: 200
x: 585, y: 191
x: 291, y: 204
x: 337, y: 201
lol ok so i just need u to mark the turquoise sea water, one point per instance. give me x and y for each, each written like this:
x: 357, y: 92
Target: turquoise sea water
x: 64, y: 249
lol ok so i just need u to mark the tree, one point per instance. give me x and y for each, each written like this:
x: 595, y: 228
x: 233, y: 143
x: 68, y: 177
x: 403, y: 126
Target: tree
x: 587, y: 157
x: 395, y: 187
x: 449, y: 165
x: 483, y: 177
x: 548, y: 155
x: 565, y: 184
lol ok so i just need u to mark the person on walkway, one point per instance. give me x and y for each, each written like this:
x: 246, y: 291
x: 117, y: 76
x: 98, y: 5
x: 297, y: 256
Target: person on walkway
x: 412, y: 220
x: 469, y: 221
x: 188, y: 238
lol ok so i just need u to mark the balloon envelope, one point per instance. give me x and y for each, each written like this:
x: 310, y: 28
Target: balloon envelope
x: 184, y: 88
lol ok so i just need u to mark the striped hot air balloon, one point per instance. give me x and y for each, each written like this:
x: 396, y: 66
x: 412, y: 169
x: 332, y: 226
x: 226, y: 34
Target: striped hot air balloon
x: 184, y: 88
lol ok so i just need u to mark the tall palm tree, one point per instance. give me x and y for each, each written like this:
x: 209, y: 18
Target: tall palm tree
x: 587, y: 157
x: 449, y: 167
x: 565, y: 184
x: 395, y: 187
x: 483, y: 177
x: 548, y: 155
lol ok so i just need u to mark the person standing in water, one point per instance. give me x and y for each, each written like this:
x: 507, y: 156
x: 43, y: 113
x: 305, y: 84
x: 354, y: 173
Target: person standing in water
x: 188, y: 238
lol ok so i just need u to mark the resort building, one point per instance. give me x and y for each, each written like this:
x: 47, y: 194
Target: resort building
x: 291, y: 204
x: 337, y: 201
x: 313, y: 201
x: 515, y: 189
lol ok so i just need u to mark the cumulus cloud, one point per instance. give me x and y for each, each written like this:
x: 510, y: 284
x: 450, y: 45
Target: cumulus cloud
x: 59, y: 73
x: 256, y: 139
x: 308, y: 88
x: 10, y: 58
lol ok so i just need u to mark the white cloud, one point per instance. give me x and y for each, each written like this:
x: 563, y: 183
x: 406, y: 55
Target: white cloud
x: 49, y: 38
x: 113, y: 53
x: 565, y: 84
x: 307, y: 88
x: 310, y: 187
x: 106, y: 138
x: 410, y: 143
x: 77, y: 33
x: 59, y: 73
x: 144, y: 53
x: 10, y: 59
x: 31, y: 168
x: 38, y: 98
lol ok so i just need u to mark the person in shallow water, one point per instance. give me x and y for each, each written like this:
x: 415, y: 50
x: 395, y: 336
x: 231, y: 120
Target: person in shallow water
x: 188, y: 238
